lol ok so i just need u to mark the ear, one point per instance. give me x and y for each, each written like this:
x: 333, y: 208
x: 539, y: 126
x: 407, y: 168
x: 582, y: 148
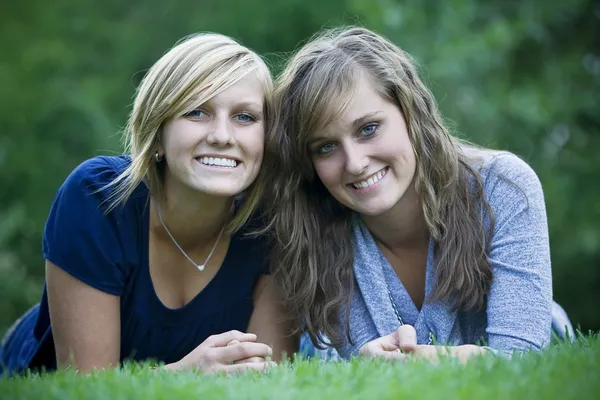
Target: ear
x: 159, y: 142
x: 159, y: 153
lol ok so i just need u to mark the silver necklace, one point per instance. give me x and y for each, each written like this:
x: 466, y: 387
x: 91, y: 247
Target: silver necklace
x: 398, y: 317
x: 200, y: 267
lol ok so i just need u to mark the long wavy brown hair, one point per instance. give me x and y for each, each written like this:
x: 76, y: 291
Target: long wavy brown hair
x: 314, y: 251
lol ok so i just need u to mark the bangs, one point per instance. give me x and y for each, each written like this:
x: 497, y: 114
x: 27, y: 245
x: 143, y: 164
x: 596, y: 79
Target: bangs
x: 323, y: 95
x: 205, y: 85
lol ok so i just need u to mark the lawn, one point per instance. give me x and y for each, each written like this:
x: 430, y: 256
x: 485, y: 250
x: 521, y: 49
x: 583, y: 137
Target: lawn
x: 563, y: 371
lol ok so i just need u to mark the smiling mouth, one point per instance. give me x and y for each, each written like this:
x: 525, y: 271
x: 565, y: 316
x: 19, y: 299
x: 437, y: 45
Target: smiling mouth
x: 371, y: 181
x: 219, y: 162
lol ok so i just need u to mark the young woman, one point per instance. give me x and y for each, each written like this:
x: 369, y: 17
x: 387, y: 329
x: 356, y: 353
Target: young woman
x: 394, y: 236
x: 147, y: 255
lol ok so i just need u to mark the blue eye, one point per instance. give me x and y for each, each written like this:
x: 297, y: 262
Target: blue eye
x: 244, y: 117
x: 369, y: 129
x: 325, y: 149
x: 197, y: 113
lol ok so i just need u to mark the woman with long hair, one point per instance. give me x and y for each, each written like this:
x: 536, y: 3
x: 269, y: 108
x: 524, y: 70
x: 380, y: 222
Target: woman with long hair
x: 148, y: 255
x: 393, y: 236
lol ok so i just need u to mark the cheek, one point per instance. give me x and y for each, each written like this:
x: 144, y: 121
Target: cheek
x: 408, y: 152
x: 176, y: 137
x: 327, y: 171
x: 253, y: 142
x: 166, y: 135
x: 400, y: 150
x: 408, y: 157
x: 408, y: 164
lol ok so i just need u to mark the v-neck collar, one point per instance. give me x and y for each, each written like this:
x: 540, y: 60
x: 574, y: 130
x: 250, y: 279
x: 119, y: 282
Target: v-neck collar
x: 373, y: 274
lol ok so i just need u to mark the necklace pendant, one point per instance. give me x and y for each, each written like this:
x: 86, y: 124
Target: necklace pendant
x: 198, y: 267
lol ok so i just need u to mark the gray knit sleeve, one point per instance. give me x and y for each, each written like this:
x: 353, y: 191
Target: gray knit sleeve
x: 520, y: 300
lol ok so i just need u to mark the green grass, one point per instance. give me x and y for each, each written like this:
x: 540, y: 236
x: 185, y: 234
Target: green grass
x: 563, y: 371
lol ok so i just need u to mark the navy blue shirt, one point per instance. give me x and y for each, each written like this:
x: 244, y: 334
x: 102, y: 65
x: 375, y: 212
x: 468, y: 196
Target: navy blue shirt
x: 110, y: 252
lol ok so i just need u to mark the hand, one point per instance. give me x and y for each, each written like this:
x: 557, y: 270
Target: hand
x: 392, y: 346
x: 247, y: 360
x: 226, y: 353
x: 462, y: 353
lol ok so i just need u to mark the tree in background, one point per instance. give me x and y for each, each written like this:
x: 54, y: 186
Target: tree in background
x: 522, y: 76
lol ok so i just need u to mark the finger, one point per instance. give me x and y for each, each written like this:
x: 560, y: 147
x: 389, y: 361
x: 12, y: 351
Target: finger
x: 234, y: 341
x: 405, y: 338
x: 389, y: 355
x: 377, y: 348
x: 240, y: 351
x: 385, y: 343
x: 429, y: 353
x: 238, y: 368
x: 367, y: 349
x: 224, y: 338
x: 251, y: 360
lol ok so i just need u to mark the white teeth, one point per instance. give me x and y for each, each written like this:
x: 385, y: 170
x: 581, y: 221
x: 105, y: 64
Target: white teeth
x: 221, y: 162
x: 371, y: 181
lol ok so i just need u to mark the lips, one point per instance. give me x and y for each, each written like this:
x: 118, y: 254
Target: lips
x: 223, y: 162
x: 370, y: 181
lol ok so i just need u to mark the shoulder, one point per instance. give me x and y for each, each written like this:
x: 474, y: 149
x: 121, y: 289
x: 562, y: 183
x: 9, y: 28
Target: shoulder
x: 83, y: 200
x: 510, y: 167
x: 255, y: 231
x: 97, y: 172
x: 496, y: 164
x: 90, y: 183
x: 506, y: 177
x: 254, y: 241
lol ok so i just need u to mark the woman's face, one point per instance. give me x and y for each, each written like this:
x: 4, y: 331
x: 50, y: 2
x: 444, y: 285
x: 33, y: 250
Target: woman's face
x: 217, y: 149
x: 365, y: 159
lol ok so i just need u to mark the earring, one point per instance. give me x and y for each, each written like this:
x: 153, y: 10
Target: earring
x: 157, y: 157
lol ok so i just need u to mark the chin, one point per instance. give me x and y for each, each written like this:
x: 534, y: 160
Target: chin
x: 224, y: 189
x: 374, y: 210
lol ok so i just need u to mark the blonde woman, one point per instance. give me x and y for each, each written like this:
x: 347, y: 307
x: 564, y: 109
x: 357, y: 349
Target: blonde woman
x: 146, y: 254
x: 394, y: 237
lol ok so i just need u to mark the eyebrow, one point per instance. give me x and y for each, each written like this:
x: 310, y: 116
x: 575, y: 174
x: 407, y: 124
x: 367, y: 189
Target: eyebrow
x: 249, y: 104
x: 357, y: 123
x: 253, y: 106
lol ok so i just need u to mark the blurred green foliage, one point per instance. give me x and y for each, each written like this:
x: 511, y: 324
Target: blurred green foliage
x: 517, y: 75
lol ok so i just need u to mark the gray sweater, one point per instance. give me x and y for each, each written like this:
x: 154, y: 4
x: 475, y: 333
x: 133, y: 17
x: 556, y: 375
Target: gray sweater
x: 518, y: 311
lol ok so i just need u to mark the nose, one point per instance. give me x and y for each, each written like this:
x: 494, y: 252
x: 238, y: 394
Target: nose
x: 221, y: 132
x: 356, y: 160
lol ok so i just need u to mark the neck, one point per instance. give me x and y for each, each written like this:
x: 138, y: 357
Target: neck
x: 193, y: 221
x: 403, y: 227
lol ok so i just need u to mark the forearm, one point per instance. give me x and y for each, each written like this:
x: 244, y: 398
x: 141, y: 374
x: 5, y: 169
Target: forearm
x: 463, y: 352
x: 269, y: 321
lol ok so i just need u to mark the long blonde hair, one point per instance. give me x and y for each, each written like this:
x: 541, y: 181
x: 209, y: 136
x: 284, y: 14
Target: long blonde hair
x: 196, y: 69
x: 314, y: 252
